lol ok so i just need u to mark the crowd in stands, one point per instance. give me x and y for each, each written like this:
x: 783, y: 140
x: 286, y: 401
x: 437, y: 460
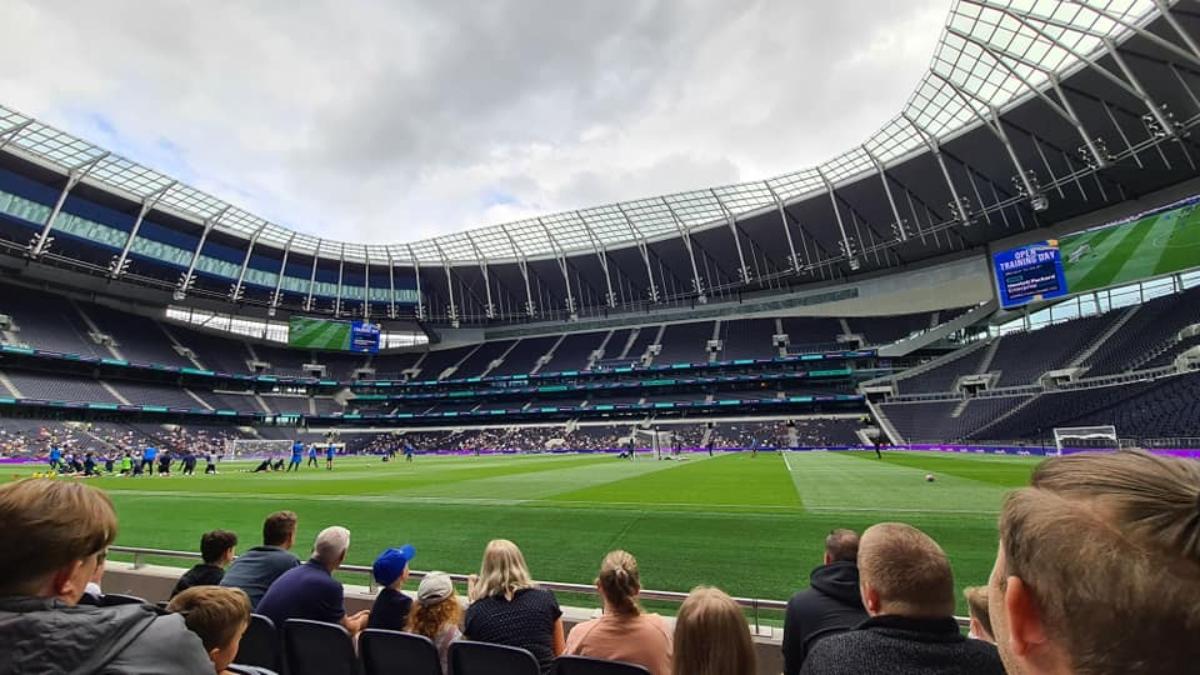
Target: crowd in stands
x: 1098, y: 572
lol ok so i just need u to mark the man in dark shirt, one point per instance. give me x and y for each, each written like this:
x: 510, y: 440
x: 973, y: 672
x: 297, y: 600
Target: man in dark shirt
x: 908, y: 590
x: 255, y: 570
x: 310, y: 591
x: 831, y: 604
x: 391, y: 607
x: 217, y: 548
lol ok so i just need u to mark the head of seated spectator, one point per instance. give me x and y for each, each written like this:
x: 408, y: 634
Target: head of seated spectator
x: 981, y: 621
x: 54, y: 537
x: 907, y: 587
x: 390, y: 570
x: 830, y: 605
x: 1098, y: 570
x: 508, y: 609
x: 712, y: 636
x: 256, y: 569
x: 219, y: 616
x: 625, y: 632
x: 217, y: 550
x: 437, y: 613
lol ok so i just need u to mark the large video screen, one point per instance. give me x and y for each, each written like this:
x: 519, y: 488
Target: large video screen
x: 324, y: 334
x: 1153, y: 244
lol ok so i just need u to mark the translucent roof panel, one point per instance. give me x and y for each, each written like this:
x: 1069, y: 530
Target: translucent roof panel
x: 991, y: 54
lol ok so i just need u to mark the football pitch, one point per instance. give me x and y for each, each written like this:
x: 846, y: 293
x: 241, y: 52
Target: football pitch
x: 1152, y: 246
x: 318, y: 334
x: 751, y: 525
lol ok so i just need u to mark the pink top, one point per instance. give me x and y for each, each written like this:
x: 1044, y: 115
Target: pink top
x: 644, y: 640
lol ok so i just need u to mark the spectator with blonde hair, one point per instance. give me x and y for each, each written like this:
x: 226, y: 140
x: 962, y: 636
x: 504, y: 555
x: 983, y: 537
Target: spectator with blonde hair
x: 625, y: 632
x: 508, y: 609
x: 54, y: 535
x: 1098, y: 570
x: 711, y: 636
x: 908, y: 590
x: 219, y: 616
x: 437, y: 614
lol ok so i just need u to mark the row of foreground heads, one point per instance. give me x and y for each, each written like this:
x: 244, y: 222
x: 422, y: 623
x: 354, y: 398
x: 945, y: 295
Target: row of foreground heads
x: 1098, y: 568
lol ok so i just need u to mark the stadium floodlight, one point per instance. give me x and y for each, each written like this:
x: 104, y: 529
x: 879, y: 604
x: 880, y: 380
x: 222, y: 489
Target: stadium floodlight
x: 1074, y: 439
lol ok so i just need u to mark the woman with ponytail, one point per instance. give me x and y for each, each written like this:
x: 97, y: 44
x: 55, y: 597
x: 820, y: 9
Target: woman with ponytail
x: 624, y: 632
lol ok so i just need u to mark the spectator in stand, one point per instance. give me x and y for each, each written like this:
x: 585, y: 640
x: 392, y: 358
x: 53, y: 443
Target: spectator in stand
x: 437, y: 614
x: 53, y: 536
x: 310, y: 591
x: 219, y: 617
x: 507, y: 609
x: 908, y: 590
x: 391, y: 607
x: 217, y: 549
x: 625, y: 632
x: 1098, y: 570
x: 831, y: 605
x: 712, y: 636
x: 258, y: 568
x: 981, y: 621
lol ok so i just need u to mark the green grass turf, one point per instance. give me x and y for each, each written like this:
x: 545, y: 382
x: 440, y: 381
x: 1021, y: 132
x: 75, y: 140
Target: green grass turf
x: 752, y: 525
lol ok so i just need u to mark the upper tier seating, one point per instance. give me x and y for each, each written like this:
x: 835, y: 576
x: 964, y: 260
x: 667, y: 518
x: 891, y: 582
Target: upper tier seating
x: 1153, y: 324
x: 59, y: 387
x: 139, y: 393
x: 805, y: 331
x: 479, y: 360
x: 748, y: 339
x: 137, y: 338
x: 392, y: 366
x: 522, y: 359
x: 943, y: 377
x: 882, y: 330
x: 48, y: 322
x: 573, y: 352
x: 222, y: 354
x: 436, y: 362
x: 685, y: 343
x: 1023, y: 357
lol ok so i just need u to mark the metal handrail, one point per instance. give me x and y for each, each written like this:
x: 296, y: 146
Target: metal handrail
x: 753, y: 604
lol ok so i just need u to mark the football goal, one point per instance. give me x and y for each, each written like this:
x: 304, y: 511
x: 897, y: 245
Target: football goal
x: 246, y: 447
x: 1070, y: 439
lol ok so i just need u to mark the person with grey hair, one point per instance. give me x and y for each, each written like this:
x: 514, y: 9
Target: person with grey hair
x: 310, y: 591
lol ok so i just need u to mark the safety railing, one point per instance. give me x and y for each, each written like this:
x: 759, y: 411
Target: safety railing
x: 754, y: 606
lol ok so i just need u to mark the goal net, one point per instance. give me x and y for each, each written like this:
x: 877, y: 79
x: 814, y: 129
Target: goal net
x: 244, y: 447
x: 1086, y: 438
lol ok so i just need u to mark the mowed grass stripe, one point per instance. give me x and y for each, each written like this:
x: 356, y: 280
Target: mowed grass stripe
x: 736, y: 479
x: 1102, y: 243
x: 1183, y: 248
x: 1107, y: 268
x: 1145, y: 258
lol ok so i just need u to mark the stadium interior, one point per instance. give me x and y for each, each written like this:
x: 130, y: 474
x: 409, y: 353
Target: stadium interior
x: 847, y: 306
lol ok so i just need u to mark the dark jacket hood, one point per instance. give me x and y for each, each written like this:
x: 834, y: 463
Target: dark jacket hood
x: 838, y: 580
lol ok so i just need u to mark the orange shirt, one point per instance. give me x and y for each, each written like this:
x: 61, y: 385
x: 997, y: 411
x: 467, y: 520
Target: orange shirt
x: 644, y: 640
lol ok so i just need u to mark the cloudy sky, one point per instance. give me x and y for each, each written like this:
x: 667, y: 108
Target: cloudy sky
x: 391, y: 120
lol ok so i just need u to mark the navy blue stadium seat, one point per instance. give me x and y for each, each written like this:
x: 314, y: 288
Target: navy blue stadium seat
x: 260, y: 644
x: 390, y: 652
x: 481, y: 658
x: 586, y: 665
x: 318, y: 648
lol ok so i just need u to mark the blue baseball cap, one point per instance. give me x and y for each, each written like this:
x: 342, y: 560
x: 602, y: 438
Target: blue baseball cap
x: 391, y: 563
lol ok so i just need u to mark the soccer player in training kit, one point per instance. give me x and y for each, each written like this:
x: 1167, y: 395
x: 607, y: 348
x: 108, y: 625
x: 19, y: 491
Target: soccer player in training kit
x: 297, y: 455
x: 312, y: 456
x: 329, y: 457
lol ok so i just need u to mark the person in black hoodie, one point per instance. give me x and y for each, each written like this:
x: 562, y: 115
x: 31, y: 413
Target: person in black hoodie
x: 830, y: 605
x: 907, y: 587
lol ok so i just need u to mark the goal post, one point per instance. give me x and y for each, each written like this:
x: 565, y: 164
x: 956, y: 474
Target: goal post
x: 247, y: 447
x: 1102, y: 437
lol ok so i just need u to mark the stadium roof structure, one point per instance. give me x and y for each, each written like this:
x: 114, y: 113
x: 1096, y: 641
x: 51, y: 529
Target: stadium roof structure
x: 1032, y: 111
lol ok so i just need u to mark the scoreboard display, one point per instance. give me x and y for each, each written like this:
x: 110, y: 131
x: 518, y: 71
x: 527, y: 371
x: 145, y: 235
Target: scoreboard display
x: 328, y: 335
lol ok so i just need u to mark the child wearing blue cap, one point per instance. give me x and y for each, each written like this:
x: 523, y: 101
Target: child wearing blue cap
x: 391, y: 607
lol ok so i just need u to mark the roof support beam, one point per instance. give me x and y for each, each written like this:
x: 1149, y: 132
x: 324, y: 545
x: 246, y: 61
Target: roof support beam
x: 277, y: 296
x: 490, y: 309
x: 417, y: 276
x: 572, y: 310
x: 847, y: 245
x: 523, y: 266
x: 337, y: 300
x: 148, y: 202
x: 1192, y: 56
x: 787, y: 230
x: 235, y: 292
x: 391, y: 284
x: 1066, y: 110
x: 901, y: 231
x: 1168, y: 127
x: 454, y: 318
x: 1164, y: 9
x: 601, y: 255
x: 312, y: 278
x: 366, y: 284
x: 956, y: 204
x: 76, y: 174
x: 188, y: 277
x: 731, y: 221
x: 9, y: 134
x: 685, y: 233
x: 645, y: 251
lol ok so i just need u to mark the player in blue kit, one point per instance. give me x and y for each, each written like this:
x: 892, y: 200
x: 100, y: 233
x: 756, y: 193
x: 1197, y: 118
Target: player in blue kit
x: 329, y: 451
x: 297, y: 456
